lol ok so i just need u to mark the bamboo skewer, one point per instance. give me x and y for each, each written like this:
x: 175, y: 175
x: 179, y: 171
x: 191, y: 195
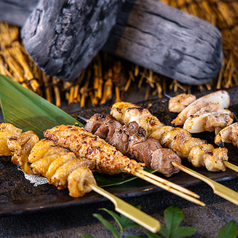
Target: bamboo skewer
x: 165, y: 184
x: 129, y: 211
x: 218, y: 188
x: 170, y: 184
x: 230, y: 166
x: 170, y: 187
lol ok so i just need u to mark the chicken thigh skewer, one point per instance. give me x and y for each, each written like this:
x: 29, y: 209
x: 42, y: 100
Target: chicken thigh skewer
x: 105, y: 157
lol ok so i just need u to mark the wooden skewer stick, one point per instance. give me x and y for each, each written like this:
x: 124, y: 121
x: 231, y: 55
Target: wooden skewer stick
x: 168, y: 183
x: 231, y: 166
x: 169, y: 187
x: 218, y: 188
x: 129, y: 211
x: 163, y: 183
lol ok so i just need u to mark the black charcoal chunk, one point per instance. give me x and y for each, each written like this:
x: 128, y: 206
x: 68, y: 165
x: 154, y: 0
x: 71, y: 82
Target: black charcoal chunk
x: 62, y: 36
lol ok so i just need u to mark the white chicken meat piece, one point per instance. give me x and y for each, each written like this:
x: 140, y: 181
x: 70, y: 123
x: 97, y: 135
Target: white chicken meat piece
x: 228, y: 135
x: 180, y: 102
x: 209, y: 103
x: 212, y: 121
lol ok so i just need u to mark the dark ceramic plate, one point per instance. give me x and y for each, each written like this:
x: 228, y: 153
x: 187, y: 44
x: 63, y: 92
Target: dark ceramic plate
x: 18, y: 195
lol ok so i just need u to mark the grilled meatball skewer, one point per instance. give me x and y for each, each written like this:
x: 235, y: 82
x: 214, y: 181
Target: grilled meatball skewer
x: 130, y: 139
x: 196, y: 150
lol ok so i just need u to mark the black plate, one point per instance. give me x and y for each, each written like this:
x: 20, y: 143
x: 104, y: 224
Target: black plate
x: 18, y: 195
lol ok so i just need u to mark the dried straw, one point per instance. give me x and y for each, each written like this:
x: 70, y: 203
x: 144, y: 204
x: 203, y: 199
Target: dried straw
x: 107, y: 75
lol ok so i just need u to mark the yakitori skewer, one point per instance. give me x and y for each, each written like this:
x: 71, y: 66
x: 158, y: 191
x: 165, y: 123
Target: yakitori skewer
x: 61, y: 168
x: 131, y: 141
x: 106, y: 158
x: 196, y: 150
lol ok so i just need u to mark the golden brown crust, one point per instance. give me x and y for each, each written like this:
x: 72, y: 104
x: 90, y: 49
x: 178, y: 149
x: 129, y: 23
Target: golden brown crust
x: 180, y: 102
x: 79, y: 180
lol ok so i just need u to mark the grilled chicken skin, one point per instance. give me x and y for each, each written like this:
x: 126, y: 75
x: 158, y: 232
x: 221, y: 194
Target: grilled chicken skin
x: 212, y: 121
x: 178, y: 139
x: 130, y: 139
x: 228, y: 134
x: 21, y: 146
x: 7, y: 130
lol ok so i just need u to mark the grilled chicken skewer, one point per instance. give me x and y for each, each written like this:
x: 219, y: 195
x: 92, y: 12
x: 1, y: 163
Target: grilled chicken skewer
x: 56, y: 163
x: 201, y: 152
x: 196, y: 150
x: 63, y: 169
x: 106, y: 158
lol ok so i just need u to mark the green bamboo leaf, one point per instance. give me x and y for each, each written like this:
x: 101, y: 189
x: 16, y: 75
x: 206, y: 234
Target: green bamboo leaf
x: 107, y: 224
x: 164, y: 231
x: 183, y: 232
x: 115, y: 216
x: 228, y: 231
x: 173, y: 217
x: 28, y: 111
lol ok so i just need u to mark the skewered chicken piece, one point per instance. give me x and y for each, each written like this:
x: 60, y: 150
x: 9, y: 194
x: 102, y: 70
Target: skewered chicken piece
x: 180, y: 102
x: 178, y: 139
x: 7, y: 130
x: 212, y: 121
x: 228, y: 135
x: 61, y: 167
x: 126, y: 112
x: 17, y: 144
x: 107, y: 159
x: 20, y: 147
x: 209, y: 103
x: 131, y: 141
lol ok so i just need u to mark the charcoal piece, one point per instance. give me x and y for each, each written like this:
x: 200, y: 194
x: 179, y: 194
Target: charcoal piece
x: 62, y: 36
x: 167, y: 41
x: 148, y: 33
